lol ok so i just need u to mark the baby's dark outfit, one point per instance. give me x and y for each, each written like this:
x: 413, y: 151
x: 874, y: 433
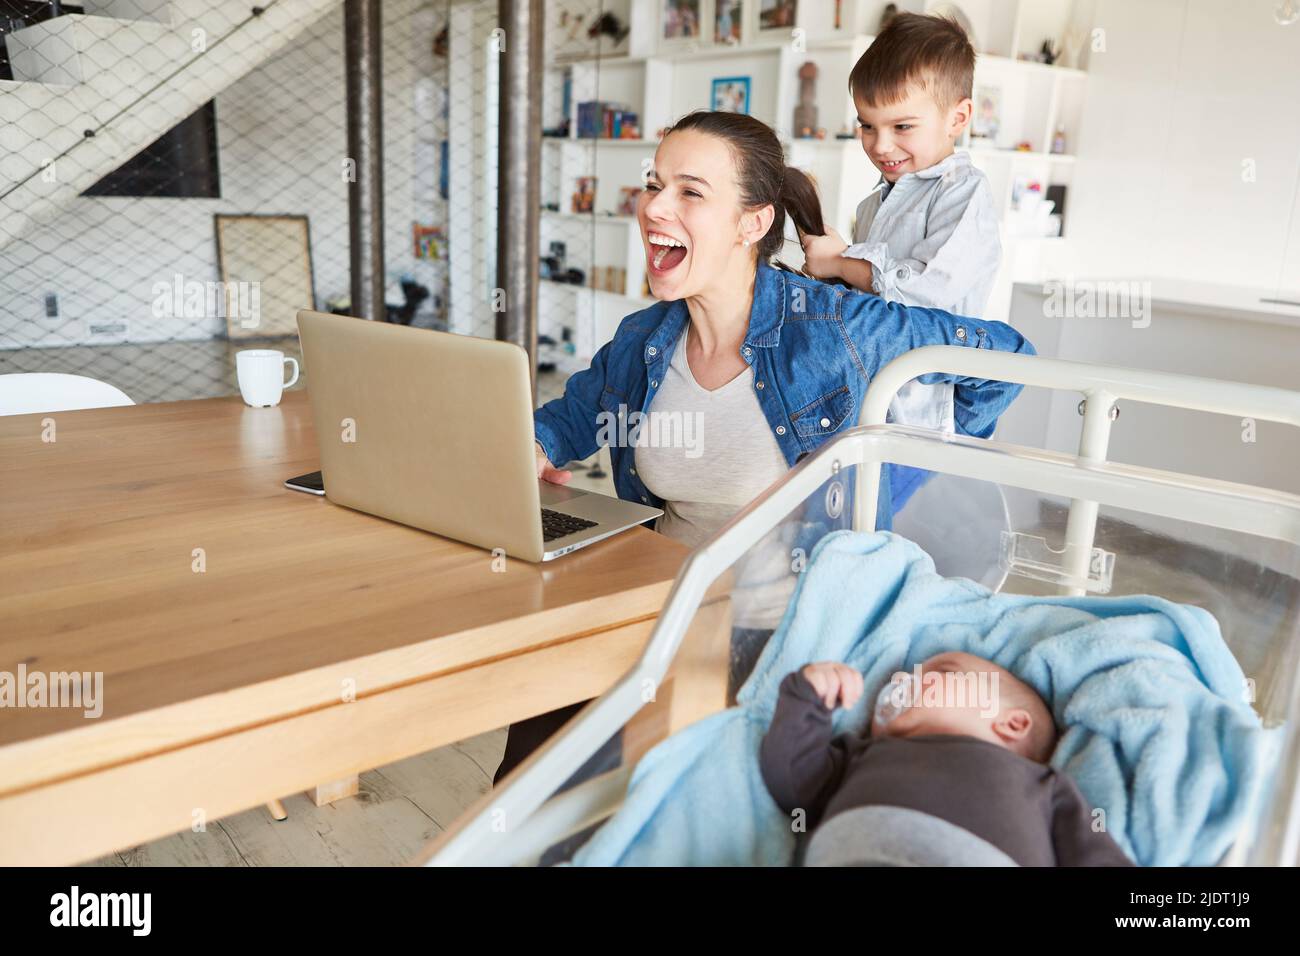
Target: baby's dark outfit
x: 948, y: 798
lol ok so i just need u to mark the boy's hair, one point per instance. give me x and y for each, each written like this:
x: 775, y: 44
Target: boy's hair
x: 931, y: 52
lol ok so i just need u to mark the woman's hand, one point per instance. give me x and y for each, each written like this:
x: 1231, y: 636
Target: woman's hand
x: 548, y: 472
x: 823, y: 254
x: 834, y: 683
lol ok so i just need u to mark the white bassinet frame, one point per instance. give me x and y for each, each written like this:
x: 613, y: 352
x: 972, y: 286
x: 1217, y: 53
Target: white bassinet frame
x: 515, y: 822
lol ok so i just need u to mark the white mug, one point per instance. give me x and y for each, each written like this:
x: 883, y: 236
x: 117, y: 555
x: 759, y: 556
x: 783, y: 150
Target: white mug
x: 261, y: 375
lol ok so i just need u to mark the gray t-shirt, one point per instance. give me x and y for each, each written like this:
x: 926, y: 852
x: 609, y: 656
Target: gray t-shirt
x: 707, y: 454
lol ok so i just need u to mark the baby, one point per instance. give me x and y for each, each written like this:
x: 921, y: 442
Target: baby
x: 953, y: 772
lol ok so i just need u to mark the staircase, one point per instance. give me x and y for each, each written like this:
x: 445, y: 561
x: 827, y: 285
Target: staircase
x: 91, y: 90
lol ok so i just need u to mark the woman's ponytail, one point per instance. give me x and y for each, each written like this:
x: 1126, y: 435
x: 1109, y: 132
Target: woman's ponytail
x: 801, y: 202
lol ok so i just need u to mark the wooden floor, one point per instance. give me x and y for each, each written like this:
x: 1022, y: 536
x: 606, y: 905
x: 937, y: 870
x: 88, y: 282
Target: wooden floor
x: 400, y: 808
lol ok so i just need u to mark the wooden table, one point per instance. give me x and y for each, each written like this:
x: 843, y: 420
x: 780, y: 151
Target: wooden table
x: 255, y: 641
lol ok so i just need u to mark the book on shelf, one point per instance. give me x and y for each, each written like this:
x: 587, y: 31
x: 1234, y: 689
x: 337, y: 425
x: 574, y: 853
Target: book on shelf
x: 601, y: 120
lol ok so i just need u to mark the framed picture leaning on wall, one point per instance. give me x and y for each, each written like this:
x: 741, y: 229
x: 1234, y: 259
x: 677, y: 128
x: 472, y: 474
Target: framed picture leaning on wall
x: 266, y: 273
x: 730, y: 94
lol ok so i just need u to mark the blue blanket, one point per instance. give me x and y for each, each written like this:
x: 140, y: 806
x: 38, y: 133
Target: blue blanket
x: 1156, y: 728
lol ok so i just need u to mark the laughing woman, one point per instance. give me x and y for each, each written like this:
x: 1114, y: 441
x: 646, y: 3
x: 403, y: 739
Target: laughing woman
x: 770, y: 362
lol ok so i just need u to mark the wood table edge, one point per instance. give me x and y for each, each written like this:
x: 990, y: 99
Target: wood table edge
x: 39, y: 761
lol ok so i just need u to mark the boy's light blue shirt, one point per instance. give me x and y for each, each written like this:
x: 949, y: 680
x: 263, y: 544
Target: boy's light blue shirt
x: 932, y: 239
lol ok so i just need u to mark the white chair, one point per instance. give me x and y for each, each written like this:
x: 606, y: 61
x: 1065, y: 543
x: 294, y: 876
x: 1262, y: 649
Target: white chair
x: 28, y: 393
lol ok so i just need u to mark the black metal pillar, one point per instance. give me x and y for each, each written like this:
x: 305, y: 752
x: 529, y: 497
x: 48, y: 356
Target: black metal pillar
x: 519, y: 185
x: 363, y: 42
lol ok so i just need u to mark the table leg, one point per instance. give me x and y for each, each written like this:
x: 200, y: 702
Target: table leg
x: 324, y: 793
x: 696, y: 685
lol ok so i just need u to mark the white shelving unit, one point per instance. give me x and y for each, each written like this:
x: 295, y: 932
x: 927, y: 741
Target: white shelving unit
x: 661, y: 79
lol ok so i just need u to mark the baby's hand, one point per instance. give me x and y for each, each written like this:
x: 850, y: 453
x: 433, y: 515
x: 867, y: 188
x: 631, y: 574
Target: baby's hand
x: 833, y: 682
x: 822, y: 254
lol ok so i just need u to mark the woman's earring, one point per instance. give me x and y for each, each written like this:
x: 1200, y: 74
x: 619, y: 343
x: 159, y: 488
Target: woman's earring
x: 746, y: 243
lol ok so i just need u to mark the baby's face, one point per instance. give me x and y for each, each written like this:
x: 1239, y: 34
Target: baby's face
x: 965, y: 695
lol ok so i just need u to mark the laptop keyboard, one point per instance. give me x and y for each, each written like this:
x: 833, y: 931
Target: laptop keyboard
x: 556, y: 525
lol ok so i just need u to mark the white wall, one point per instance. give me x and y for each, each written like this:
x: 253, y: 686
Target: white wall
x: 282, y: 139
x: 1185, y: 93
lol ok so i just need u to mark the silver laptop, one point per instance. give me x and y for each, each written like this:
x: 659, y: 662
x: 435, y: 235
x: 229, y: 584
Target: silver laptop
x: 436, y: 431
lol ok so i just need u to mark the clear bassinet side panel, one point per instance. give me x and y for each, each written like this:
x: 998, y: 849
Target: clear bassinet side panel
x: 722, y: 641
x: 1011, y: 540
x: 1250, y: 584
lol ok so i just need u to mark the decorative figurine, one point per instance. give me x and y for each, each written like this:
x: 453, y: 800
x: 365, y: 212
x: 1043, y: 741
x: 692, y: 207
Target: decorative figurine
x: 610, y: 26
x: 805, y: 114
x: 891, y: 11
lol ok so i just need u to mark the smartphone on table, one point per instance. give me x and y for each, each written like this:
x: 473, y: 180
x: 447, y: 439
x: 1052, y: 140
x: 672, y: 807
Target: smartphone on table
x: 313, y: 483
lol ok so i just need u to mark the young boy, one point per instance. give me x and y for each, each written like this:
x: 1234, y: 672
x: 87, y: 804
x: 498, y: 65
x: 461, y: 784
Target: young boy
x: 928, y: 234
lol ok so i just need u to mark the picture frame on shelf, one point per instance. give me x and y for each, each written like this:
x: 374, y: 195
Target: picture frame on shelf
x: 627, y: 199
x: 584, y: 195
x: 773, y: 20
x: 730, y: 94
x: 728, y: 22
x: 683, y: 24
x: 986, y: 113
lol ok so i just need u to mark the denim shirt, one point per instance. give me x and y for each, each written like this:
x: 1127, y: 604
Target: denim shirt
x: 814, y: 349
